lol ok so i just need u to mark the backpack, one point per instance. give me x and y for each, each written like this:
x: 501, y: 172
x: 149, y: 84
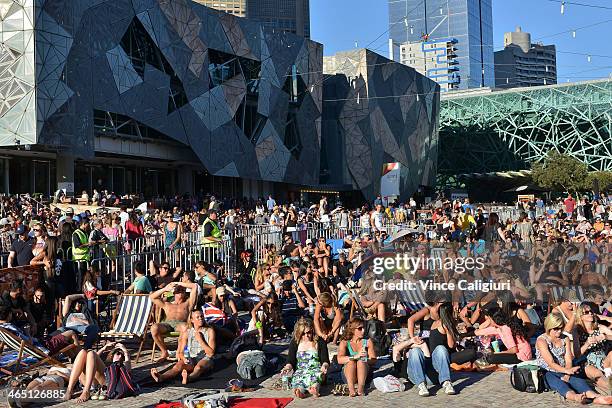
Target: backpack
x: 525, y: 379
x: 119, y: 382
x: 376, y: 330
x: 244, y: 342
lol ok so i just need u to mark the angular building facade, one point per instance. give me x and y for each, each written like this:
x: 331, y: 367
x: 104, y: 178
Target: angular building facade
x: 169, y: 81
x: 377, y: 111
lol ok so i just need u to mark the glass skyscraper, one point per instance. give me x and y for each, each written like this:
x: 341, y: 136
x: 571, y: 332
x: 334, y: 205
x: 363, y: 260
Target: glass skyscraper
x: 469, y: 22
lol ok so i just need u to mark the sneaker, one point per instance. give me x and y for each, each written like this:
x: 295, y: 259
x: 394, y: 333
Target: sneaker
x: 448, y: 388
x: 423, y: 391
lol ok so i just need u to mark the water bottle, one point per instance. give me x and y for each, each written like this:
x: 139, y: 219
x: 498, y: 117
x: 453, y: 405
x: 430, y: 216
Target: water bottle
x: 311, y: 308
x: 186, y: 355
x: 286, y: 378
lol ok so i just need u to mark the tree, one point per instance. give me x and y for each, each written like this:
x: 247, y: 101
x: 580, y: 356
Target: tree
x: 560, y: 172
x: 603, y: 177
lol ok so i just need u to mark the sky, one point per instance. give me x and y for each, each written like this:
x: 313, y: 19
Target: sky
x: 338, y: 24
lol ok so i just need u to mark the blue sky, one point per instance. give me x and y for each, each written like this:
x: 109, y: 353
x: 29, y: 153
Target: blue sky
x: 338, y: 24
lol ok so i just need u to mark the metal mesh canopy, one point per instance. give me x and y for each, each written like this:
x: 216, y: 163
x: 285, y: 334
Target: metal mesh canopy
x: 484, y: 132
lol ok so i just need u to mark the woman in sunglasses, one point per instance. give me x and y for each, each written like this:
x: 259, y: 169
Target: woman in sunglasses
x: 357, y: 356
x: 309, y: 357
x: 554, y: 354
x: 591, y: 347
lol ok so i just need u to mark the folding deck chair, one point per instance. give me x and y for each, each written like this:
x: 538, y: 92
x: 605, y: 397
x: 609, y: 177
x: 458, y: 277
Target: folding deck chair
x: 132, y: 319
x: 23, y: 347
x: 412, y: 300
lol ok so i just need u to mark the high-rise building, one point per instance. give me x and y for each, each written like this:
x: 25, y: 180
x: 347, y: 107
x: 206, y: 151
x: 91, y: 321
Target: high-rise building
x: 467, y: 24
x: 522, y: 63
x: 436, y: 60
x: 283, y: 15
x: 235, y: 7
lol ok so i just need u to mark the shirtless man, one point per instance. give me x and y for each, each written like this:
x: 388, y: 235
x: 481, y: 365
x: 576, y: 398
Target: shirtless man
x: 176, y: 312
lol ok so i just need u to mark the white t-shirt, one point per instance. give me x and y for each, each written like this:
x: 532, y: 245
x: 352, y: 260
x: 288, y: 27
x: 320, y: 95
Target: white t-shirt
x: 377, y: 217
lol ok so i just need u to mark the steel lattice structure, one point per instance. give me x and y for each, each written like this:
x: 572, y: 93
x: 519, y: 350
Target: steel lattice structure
x: 508, y: 130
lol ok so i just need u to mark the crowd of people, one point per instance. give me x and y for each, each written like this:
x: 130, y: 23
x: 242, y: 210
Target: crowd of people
x: 323, y: 298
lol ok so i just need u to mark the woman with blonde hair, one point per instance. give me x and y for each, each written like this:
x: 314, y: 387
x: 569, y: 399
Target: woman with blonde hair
x: 554, y: 354
x: 356, y: 354
x: 262, y: 278
x: 309, y: 357
x: 591, y: 345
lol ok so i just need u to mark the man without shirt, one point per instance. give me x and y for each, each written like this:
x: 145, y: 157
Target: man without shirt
x: 176, y: 312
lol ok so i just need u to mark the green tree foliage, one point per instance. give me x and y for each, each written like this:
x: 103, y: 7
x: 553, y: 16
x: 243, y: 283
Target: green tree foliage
x: 560, y: 172
x: 604, y: 178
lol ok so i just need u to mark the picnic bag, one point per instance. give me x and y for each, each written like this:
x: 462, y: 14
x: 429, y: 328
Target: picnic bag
x: 389, y: 383
x: 525, y: 379
x: 244, y: 342
x: 119, y: 382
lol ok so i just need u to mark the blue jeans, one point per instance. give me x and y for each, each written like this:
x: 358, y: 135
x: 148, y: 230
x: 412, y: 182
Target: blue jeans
x: 419, y: 365
x: 576, y: 384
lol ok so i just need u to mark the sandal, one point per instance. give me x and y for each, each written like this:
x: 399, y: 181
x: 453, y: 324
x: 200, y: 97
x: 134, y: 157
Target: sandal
x: 340, y: 390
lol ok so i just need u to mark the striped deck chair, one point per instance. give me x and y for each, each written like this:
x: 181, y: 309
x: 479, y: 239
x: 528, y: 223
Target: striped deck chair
x: 356, y: 305
x: 555, y: 293
x: 132, y: 319
x: 25, y: 348
x: 412, y: 300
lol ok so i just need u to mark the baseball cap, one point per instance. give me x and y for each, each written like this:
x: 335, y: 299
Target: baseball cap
x: 4, y: 221
x: 20, y: 230
x: 69, y: 211
x: 220, y: 291
x: 308, y: 241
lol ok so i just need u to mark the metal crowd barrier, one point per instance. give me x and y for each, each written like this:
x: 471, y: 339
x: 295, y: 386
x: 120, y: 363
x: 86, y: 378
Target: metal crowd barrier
x: 121, y: 268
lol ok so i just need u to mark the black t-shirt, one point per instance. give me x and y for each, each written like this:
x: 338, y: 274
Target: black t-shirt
x: 19, y: 303
x: 162, y: 281
x: 344, y: 270
x: 23, y: 251
x: 40, y: 311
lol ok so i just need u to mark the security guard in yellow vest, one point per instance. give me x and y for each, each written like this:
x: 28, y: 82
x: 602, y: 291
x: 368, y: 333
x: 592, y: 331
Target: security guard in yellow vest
x: 80, y: 246
x: 211, y: 233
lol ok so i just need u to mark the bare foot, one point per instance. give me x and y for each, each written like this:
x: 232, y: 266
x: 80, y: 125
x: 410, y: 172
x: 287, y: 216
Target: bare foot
x: 162, y: 358
x: 603, y: 400
x: 84, y: 397
x: 298, y: 393
x: 155, y: 374
x: 360, y: 391
x: 185, y: 376
x: 314, y: 391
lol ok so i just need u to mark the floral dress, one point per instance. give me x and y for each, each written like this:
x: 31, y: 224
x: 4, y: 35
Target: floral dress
x: 596, y: 354
x: 308, y: 370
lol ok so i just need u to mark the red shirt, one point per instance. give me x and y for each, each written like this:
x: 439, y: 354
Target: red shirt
x: 570, y: 204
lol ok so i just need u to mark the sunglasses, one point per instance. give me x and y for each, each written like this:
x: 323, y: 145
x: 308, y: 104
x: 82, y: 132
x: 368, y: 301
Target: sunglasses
x: 557, y: 328
x: 587, y: 312
x: 359, y: 328
x: 36, y: 230
x: 164, y: 267
x: 307, y: 332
